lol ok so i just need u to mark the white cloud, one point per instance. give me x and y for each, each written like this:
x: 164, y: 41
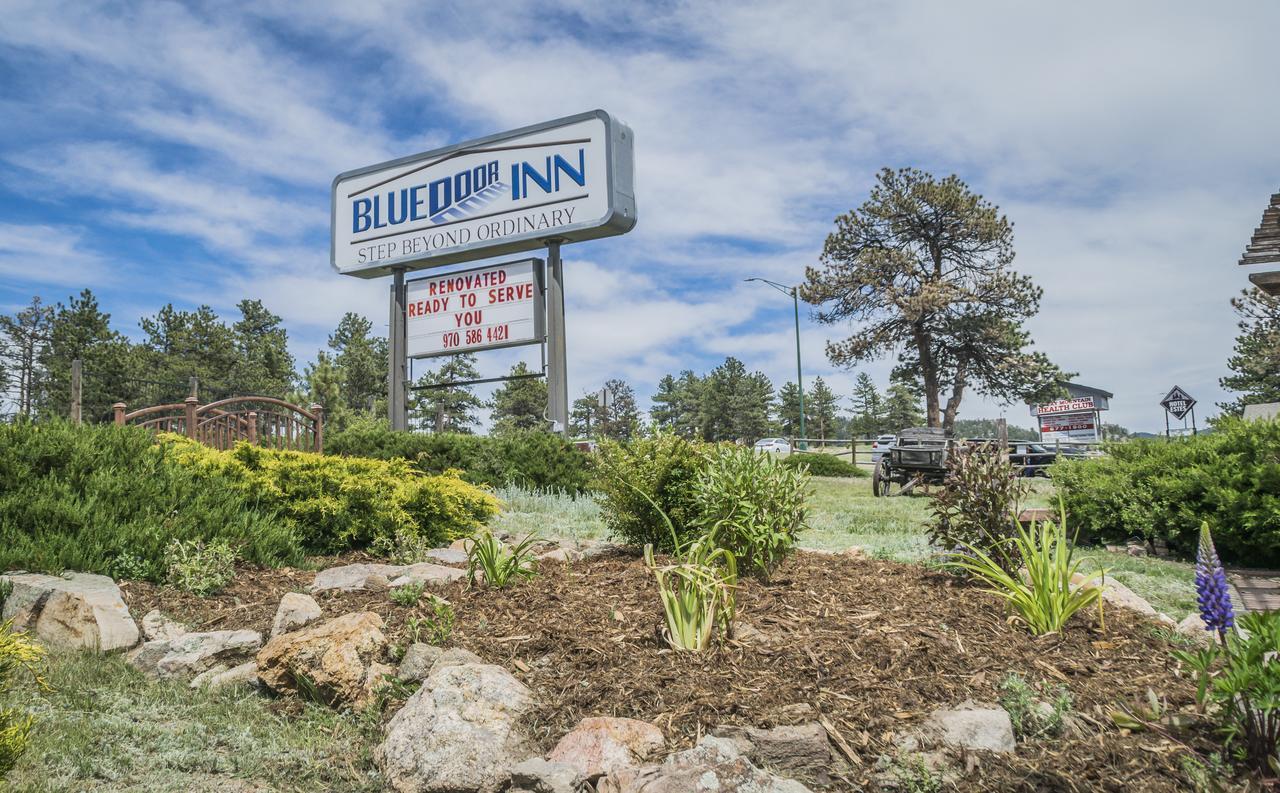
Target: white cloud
x: 42, y: 253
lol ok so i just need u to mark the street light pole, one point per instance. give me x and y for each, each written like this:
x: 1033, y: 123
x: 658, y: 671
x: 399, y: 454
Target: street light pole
x: 794, y: 294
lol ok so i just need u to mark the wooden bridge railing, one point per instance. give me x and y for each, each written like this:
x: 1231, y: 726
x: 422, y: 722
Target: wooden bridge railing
x: 262, y: 421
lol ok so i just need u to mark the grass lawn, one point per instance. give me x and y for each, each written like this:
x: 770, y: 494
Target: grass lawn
x: 843, y: 512
x: 103, y: 727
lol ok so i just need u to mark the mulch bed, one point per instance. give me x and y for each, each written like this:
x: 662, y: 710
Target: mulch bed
x: 870, y: 646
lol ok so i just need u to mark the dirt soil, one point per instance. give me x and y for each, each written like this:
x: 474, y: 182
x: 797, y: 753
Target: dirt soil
x: 871, y: 647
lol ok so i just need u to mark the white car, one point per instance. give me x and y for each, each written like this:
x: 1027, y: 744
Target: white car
x: 775, y: 445
x: 879, y: 445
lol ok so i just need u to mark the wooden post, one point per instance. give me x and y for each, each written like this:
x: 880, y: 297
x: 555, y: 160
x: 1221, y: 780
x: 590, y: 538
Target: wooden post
x: 75, y: 391
x: 253, y: 428
x: 319, y: 411
x: 119, y: 408
x: 191, y: 403
x: 193, y: 383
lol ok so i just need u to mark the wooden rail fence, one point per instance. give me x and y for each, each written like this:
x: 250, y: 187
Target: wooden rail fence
x: 262, y: 421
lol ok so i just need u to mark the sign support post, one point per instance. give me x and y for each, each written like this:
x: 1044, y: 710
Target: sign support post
x: 397, y: 395
x: 557, y: 360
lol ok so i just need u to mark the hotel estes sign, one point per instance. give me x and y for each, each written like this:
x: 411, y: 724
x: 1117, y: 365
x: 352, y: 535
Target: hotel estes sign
x: 569, y: 179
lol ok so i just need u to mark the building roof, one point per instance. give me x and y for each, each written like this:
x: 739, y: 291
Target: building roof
x: 1075, y: 389
x: 1265, y: 245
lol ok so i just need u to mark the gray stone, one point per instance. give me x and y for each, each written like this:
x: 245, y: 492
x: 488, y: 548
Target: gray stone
x: 447, y: 555
x: 157, y: 626
x: 356, y: 577
x: 1116, y: 593
x: 602, y: 745
x: 592, y: 549
x: 455, y: 656
x: 428, y: 573
x: 72, y: 611
x: 1192, y: 626
x: 295, y: 611
x: 715, y: 764
x: 536, y: 775
x: 565, y: 555
x: 417, y: 662
x: 246, y: 674
x: 339, y: 659
x: 792, y: 750
x: 193, y: 653
x: 970, y: 725
x: 459, y: 732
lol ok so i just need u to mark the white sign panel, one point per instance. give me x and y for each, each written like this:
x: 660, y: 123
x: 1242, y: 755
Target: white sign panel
x: 480, y: 309
x: 1069, y: 427
x: 569, y: 179
x: 1073, y: 405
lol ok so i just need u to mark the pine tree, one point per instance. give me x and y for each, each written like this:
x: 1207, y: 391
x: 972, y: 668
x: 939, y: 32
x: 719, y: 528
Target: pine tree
x: 520, y: 404
x: 185, y: 344
x: 1256, y: 362
x: 362, y: 357
x: 323, y: 380
x: 448, y: 408
x: 618, y: 419
x: 787, y: 409
x: 25, y: 338
x: 868, y: 407
x: 81, y: 330
x: 820, y: 409
x: 264, y: 366
x: 901, y: 409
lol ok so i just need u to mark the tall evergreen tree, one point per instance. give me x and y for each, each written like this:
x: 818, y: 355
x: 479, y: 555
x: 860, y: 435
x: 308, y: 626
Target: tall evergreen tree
x: 362, y: 357
x: 323, y: 381
x: 184, y: 344
x: 449, y: 408
x: 925, y: 266
x: 736, y: 404
x: 787, y: 409
x: 81, y: 330
x: 618, y: 418
x: 820, y: 409
x: 868, y: 407
x: 25, y: 338
x: 901, y: 408
x: 520, y: 404
x: 1255, y: 364
x: 264, y: 366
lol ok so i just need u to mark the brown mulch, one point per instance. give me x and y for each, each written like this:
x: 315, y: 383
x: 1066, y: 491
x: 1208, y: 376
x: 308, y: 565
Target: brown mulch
x: 870, y: 646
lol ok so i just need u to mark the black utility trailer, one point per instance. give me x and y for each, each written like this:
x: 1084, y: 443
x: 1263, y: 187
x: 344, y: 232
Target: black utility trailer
x: 917, y: 456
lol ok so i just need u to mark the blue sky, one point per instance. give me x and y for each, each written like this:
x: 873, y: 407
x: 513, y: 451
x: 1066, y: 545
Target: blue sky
x: 164, y: 152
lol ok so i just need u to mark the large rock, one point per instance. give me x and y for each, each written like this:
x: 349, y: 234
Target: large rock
x: 339, y: 660
x: 447, y: 555
x: 356, y: 577
x: 417, y: 662
x: 536, y: 775
x: 191, y: 654
x: 970, y: 725
x: 715, y: 764
x: 428, y: 573
x: 1116, y: 593
x: 792, y: 750
x: 72, y: 611
x: 602, y: 745
x: 1192, y: 626
x: 458, y: 732
x: 295, y: 611
x: 157, y: 626
x: 246, y: 674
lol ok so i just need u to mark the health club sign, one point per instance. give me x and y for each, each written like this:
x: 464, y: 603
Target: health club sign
x: 569, y: 179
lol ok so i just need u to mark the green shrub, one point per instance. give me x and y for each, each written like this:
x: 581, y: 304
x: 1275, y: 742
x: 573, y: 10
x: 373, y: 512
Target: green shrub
x: 751, y: 504
x: 642, y: 480
x: 200, y: 568
x: 1032, y: 713
x: 1041, y: 594
x: 339, y: 503
x: 18, y: 657
x: 823, y: 464
x: 409, y: 594
x: 530, y: 458
x: 500, y: 565
x: 1162, y: 489
x: 109, y: 500
x: 978, y: 504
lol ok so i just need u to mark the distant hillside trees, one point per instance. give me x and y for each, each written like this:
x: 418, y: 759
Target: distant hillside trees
x: 728, y: 403
x: 924, y: 267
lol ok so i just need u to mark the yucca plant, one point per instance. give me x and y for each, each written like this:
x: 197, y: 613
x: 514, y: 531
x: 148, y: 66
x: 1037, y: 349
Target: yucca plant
x: 499, y: 564
x: 1041, y: 592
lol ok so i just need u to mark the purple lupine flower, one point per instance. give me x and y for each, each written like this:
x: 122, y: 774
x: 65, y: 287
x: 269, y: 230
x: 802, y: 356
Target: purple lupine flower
x: 1211, y: 587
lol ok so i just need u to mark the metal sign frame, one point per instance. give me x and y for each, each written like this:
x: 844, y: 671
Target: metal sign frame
x: 539, y: 308
x: 619, y: 218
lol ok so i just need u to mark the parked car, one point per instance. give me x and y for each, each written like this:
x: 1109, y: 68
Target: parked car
x: 880, y: 445
x: 774, y: 445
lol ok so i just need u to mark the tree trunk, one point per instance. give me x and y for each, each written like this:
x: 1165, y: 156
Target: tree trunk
x: 929, y: 374
x: 953, y: 402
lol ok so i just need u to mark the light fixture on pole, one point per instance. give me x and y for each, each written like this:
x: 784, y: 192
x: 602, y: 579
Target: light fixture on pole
x: 794, y: 294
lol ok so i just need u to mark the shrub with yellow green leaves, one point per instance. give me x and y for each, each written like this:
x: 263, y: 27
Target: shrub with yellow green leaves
x: 18, y: 656
x: 338, y: 503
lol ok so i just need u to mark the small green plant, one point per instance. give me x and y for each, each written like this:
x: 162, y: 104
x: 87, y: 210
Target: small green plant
x: 198, y: 567
x: 409, y: 594
x: 1041, y: 593
x: 499, y: 564
x: 913, y: 774
x: 439, y: 625
x: 1034, y: 715
x: 1239, y: 686
x: 977, y: 506
x: 1205, y: 774
x: 129, y: 566
x: 752, y: 505
x: 18, y: 656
